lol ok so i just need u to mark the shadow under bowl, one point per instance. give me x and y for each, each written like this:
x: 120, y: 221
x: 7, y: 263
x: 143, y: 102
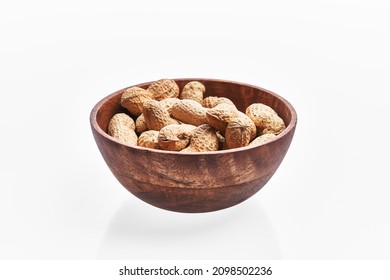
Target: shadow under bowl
x: 195, y: 182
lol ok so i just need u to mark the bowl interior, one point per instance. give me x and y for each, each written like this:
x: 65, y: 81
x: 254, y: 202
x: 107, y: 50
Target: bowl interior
x: 241, y: 94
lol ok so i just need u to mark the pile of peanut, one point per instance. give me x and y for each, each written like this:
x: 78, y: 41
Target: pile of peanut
x: 168, y: 119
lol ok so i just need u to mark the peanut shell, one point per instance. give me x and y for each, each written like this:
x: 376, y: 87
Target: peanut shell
x: 149, y: 139
x: 193, y: 90
x: 164, y: 88
x: 156, y: 116
x: 190, y: 112
x: 239, y: 132
x: 133, y: 99
x: 247, y: 120
x: 168, y: 103
x: 219, y: 116
x: 265, y: 119
x: 175, y: 137
x: 262, y: 139
x: 212, y: 101
x: 140, y: 125
x: 121, y: 127
x: 203, y: 139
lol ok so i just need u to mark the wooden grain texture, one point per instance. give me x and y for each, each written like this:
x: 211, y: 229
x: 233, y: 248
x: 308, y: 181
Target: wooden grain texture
x: 196, y: 182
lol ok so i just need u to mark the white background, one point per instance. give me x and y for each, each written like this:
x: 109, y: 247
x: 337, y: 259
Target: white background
x: 328, y: 200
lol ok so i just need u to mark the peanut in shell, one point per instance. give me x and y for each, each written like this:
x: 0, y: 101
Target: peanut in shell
x: 239, y: 132
x: 134, y: 98
x: 140, y: 125
x: 219, y: 116
x: 164, y: 88
x: 168, y: 103
x: 149, y: 139
x: 265, y: 118
x: 212, y: 101
x: 193, y: 90
x: 121, y: 127
x: 156, y: 116
x: 190, y: 112
x: 262, y: 139
x: 203, y: 139
x: 175, y: 137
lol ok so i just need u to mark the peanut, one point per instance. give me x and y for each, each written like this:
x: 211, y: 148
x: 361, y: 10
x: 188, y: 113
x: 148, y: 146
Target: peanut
x: 175, y: 137
x: 203, y: 139
x: 133, y: 99
x: 140, y: 125
x: 149, y: 139
x: 265, y: 119
x: 121, y: 127
x: 156, y: 116
x: 219, y: 116
x: 168, y: 103
x: 240, y: 131
x: 189, y: 111
x: 193, y: 90
x: 262, y: 139
x: 212, y: 101
x: 164, y: 88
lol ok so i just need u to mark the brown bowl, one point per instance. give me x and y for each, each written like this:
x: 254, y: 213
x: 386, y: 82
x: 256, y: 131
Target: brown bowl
x: 196, y: 182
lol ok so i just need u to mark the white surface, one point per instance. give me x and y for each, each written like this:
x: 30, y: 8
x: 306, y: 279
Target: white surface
x: 330, y: 59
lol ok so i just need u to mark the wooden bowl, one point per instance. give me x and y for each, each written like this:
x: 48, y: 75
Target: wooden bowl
x: 196, y: 182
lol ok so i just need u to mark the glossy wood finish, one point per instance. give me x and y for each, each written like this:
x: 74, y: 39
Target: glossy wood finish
x: 198, y: 182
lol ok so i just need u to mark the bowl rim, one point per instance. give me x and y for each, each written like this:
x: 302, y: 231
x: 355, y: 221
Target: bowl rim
x: 98, y: 129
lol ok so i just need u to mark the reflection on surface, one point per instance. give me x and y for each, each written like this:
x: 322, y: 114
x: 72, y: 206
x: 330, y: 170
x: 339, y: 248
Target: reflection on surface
x: 141, y: 231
